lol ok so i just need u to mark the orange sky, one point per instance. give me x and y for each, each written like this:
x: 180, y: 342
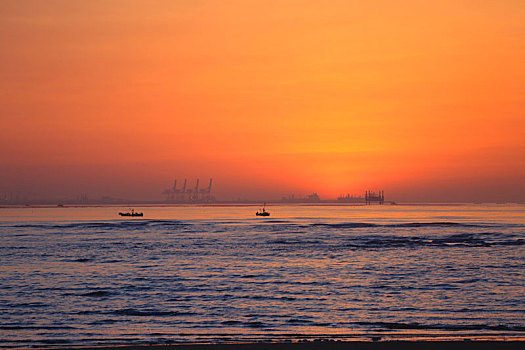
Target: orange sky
x: 425, y: 100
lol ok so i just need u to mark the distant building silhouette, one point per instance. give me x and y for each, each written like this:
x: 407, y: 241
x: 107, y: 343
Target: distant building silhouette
x: 351, y: 199
x: 188, y: 195
x: 311, y: 198
x: 375, y: 197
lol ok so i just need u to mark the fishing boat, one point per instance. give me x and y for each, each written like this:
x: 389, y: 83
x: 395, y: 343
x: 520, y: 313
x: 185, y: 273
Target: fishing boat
x: 263, y: 211
x: 131, y: 213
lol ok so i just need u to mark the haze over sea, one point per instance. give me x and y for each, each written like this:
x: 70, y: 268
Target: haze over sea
x: 85, y: 276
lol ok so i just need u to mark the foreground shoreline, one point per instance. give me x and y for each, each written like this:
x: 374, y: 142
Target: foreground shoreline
x: 316, y: 345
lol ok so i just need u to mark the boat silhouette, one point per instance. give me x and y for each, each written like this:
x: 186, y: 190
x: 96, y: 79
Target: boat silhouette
x: 263, y: 211
x: 131, y: 213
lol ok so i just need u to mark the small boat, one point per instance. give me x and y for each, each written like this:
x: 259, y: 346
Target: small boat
x: 131, y: 213
x: 263, y: 212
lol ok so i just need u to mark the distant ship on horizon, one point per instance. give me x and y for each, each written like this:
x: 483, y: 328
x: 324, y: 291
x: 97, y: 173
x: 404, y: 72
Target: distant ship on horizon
x: 263, y: 212
x: 131, y: 213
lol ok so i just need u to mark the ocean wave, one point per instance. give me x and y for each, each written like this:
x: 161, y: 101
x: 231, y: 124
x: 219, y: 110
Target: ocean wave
x: 98, y: 293
x: 117, y: 224
x: 150, y: 312
x: 219, y: 227
x: 345, y: 225
x: 432, y: 224
x: 445, y: 327
x: 294, y: 241
x: 255, y: 324
x: 22, y: 327
x: 467, y: 240
x: 406, y: 224
x: 30, y: 305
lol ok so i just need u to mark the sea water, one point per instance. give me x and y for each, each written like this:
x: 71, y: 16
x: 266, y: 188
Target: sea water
x: 85, y: 276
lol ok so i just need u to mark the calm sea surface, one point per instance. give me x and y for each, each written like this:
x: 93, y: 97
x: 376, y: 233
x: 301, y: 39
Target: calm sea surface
x: 85, y: 276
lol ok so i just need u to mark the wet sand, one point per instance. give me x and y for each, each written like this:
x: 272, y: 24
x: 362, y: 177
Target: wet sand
x: 327, y: 345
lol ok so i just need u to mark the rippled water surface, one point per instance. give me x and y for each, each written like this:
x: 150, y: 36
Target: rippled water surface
x: 85, y: 276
